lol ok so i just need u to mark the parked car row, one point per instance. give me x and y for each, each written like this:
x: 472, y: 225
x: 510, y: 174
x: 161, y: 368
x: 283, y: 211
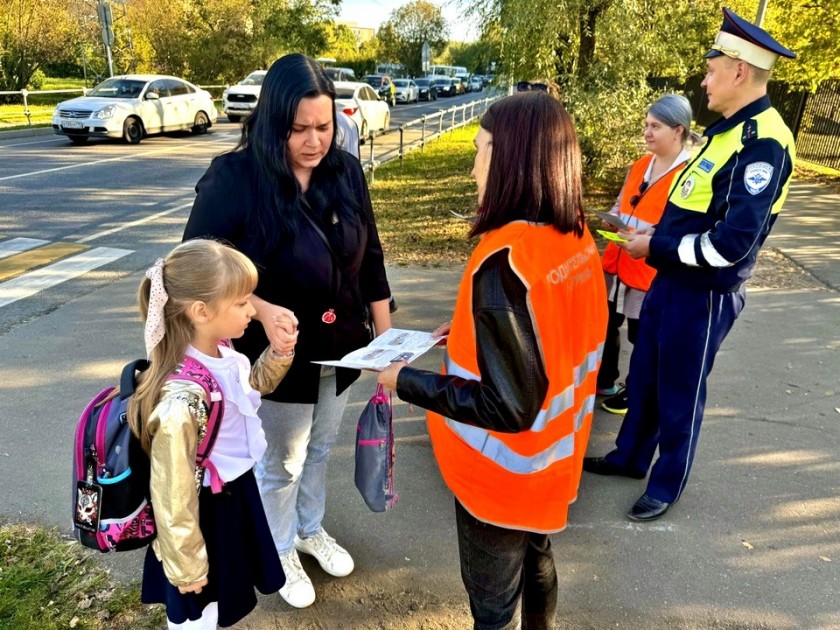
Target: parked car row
x: 133, y: 106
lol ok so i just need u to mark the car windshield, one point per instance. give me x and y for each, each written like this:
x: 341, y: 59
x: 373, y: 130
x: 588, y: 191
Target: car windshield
x: 422, y: 82
x: 118, y: 88
x: 253, y: 79
x: 373, y: 81
x: 344, y: 92
x: 401, y: 83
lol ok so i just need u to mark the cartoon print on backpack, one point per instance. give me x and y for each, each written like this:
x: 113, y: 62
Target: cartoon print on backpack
x: 88, y: 502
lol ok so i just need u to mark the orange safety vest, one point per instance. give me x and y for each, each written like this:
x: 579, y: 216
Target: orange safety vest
x: 647, y: 212
x: 527, y: 480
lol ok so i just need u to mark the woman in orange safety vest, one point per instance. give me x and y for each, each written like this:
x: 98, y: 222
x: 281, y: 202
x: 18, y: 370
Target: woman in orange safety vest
x: 510, y: 416
x: 640, y: 205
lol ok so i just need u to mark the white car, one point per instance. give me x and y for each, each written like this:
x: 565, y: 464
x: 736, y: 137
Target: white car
x: 240, y: 100
x: 133, y: 106
x: 407, y: 91
x: 363, y: 105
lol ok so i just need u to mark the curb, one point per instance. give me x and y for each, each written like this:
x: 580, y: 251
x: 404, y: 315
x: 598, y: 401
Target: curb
x: 25, y: 133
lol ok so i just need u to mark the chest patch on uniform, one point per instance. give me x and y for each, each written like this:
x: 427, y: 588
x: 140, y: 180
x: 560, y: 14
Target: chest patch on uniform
x: 757, y: 177
x: 687, y: 187
x: 705, y: 165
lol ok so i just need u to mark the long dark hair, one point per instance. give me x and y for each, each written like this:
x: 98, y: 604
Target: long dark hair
x: 265, y: 134
x: 535, y: 166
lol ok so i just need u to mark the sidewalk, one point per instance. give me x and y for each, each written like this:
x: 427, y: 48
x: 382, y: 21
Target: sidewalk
x: 754, y: 542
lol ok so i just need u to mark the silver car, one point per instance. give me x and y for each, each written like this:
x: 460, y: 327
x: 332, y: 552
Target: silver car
x: 133, y: 106
x: 407, y: 91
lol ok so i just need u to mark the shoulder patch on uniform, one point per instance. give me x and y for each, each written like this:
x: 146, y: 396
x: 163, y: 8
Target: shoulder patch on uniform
x: 757, y: 177
x: 705, y: 165
x: 749, y: 131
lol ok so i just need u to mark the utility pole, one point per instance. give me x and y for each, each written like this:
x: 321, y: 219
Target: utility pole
x: 762, y: 9
x: 106, y: 20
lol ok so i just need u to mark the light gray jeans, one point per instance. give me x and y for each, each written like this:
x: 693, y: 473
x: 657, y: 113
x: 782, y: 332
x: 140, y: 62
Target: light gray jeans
x: 292, y: 475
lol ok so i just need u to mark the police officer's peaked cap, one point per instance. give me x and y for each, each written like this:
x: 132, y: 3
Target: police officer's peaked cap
x: 742, y: 40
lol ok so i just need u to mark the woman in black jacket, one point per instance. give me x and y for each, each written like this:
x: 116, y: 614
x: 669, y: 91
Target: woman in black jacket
x: 299, y: 207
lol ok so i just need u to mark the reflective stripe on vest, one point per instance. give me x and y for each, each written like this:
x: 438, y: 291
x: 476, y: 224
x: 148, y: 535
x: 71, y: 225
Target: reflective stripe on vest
x: 636, y: 273
x: 491, y: 447
x: 560, y: 403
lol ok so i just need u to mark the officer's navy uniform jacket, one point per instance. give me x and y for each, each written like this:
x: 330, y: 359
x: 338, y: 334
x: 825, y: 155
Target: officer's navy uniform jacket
x: 720, y: 210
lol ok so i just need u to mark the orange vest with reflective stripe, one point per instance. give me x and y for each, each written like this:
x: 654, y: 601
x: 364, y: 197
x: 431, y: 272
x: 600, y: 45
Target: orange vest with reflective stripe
x: 527, y: 480
x: 636, y: 273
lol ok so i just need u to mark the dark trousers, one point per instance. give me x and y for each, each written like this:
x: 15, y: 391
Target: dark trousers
x: 608, y: 372
x: 509, y: 575
x: 680, y: 332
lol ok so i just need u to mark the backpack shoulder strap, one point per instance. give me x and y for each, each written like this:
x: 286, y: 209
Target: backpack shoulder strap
x: 194, y: 371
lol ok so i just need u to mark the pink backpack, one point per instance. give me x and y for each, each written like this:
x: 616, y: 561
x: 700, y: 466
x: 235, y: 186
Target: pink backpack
x: 112, y: 510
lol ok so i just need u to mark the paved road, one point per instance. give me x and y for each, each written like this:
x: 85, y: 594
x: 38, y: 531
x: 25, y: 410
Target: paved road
x: 87, y: 215
x: 754, y: 543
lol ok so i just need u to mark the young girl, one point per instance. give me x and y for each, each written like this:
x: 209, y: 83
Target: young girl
x: 209, y: 552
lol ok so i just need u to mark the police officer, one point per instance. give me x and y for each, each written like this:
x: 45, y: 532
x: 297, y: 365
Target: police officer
x: 719, y: 212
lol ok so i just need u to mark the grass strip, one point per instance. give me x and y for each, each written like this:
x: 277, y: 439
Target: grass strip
x: 51, y: 583
x: 414, y: 200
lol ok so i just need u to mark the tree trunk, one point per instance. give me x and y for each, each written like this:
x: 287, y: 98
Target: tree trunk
x: 588, y: 22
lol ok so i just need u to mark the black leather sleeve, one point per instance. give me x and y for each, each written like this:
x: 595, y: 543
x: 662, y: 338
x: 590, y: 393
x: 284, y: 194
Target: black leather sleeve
x: 513, y: 379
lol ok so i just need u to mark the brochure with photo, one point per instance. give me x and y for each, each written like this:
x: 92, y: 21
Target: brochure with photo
x: 394, y: 344
x: 611, y: 219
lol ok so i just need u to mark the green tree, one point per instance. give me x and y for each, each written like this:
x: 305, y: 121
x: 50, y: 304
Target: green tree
x: 408, y: 27
x: 811, y: 29
x: 31, y: 35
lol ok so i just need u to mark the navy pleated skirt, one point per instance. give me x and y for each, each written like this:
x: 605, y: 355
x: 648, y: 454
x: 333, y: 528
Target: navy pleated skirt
x: 240, y: 551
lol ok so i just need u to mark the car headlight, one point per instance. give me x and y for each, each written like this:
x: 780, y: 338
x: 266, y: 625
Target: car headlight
x: 225, y: 94
x: 56, y: 111
x: 107, y: 112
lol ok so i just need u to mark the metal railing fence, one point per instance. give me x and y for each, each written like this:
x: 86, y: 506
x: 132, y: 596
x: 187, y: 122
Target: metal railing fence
x: 395, y: 143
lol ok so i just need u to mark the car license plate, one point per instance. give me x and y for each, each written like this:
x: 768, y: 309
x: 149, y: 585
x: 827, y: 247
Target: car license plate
x: 72, y: 124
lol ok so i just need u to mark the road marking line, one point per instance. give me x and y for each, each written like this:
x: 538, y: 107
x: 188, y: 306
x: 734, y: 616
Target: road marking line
x: 3, y: 145
x: 93, y: 237
x: 31, y: 283
x: 18, y: 245
x: 20, y: 263
x: 113, y: 159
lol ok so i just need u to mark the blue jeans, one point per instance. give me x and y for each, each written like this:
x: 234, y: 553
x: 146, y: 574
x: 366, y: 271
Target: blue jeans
x: 292, y: 473
x: 509, y: 575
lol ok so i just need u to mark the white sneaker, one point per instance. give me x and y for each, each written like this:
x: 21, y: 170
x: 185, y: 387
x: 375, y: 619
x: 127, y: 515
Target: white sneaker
x: 298, y: 590
x: 332, y: 557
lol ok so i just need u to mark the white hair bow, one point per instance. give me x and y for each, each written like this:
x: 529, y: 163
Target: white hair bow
x: 155, y: 328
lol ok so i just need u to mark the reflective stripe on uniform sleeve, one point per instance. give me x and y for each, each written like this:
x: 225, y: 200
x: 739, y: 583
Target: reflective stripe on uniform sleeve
x: 710, y: 253
x: 686, y: 250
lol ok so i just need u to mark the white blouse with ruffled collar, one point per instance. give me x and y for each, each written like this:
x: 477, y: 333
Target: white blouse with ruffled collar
x: 241, y: 439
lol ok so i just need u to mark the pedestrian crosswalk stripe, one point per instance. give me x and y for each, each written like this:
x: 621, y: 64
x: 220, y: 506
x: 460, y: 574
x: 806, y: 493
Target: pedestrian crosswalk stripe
x: 31, y: 283
x: 19, y: 263
x: 18, y: 245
